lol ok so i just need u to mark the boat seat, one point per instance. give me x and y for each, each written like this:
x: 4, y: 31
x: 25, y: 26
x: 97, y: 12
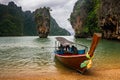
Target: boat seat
x: 81, y: 51
x: 59, y: 51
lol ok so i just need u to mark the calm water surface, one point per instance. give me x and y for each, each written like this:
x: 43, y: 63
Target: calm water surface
x: 26, y: 53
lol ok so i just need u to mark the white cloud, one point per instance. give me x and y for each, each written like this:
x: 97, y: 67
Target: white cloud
x: 61, y: 9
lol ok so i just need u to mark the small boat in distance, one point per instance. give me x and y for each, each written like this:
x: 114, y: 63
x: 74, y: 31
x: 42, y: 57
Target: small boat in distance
x: 72, y: 57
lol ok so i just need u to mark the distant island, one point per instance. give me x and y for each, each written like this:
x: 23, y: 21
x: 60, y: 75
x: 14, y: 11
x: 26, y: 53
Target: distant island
x: 15, y: 22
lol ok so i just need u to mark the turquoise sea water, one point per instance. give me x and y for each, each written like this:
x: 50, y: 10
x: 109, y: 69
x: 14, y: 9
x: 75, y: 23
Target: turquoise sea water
x: 26, y: 53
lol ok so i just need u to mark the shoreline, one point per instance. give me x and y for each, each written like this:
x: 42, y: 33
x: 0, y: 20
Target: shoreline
x: 112, y: 74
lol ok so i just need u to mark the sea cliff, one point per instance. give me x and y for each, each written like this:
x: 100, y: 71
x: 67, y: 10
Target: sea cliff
x: 91, y: 16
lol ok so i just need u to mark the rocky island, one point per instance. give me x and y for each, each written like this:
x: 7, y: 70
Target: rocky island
x: 109, y: 18
x: 91, y: 16
x: 42, y: 18
x: 16, y: 22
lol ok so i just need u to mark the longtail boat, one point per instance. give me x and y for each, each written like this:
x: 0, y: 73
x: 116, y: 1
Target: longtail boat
x: 80, y: 60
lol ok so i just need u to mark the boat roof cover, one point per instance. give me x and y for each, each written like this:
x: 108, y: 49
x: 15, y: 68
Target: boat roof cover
x: 64, y: 41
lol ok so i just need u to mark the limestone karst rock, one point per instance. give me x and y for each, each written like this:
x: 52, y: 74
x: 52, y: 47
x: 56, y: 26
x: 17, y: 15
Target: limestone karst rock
x: 109, y: 18
x: 42, y: 18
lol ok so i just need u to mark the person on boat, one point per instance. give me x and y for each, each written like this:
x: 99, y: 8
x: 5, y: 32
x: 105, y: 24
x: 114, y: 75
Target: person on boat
x: 74, y: 50
x: 61, y: 49
x: 67, y: 48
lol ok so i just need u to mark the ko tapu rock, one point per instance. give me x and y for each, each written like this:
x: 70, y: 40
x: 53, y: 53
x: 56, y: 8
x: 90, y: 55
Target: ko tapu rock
x: 42, y: 19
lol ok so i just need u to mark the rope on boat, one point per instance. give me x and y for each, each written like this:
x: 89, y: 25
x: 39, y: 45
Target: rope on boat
x: 87, y: 63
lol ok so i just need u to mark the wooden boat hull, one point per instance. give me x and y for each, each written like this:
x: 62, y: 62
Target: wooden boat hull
x: 73, y: 61
x: 79, y: 62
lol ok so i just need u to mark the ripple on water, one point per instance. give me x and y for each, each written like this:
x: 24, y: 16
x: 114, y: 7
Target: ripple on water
x: 23, y: 53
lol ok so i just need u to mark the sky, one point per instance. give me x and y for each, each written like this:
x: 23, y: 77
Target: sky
x: 61, y: 9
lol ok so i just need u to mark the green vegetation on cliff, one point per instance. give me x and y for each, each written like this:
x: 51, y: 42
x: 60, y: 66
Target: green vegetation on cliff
x: 11, y: 20
x: 91, y: 22
x: 55, y: 29
x: 29, y: 24
x: 15, y: 22
x: 91, y: 16
x: 84, y: 19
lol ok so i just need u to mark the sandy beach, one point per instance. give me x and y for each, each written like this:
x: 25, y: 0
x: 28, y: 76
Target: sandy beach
x: 112, y: 74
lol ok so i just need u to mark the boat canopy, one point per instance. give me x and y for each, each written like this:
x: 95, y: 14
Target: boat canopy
x: 64, y: 41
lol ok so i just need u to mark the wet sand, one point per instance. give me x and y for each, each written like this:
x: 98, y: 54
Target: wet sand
x: 113, y: 74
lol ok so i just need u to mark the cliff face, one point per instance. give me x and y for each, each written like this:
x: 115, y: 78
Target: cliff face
x: 109, y: 18
x: 29, y: 24
x: 42, y: 18
x: 83, y: 16
x: 11, y: 20
x: 91, y: 16
x: 78, y: 16
x: 55, y: 29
